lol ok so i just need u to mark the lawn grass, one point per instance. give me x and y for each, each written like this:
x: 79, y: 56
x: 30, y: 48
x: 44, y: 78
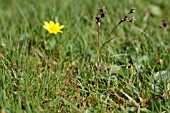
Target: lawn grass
x: 42, y: 72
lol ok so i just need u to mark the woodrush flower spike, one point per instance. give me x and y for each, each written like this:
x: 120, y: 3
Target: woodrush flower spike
x: 52, y: 27
x: 131, y: 20
x: 125, y: 19
x: 102, y: 12
x: 98, y: 21
x: 132, y: 10
x: 164, y: 25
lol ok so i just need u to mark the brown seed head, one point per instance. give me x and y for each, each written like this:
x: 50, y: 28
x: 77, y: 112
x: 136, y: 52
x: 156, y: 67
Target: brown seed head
x: 132, y: 19
x: 164, y: 25
x: 98, y: 19
x: 124, y: 19
x: 102, y: 12
x: 160, y: 61
x: 132, y: 10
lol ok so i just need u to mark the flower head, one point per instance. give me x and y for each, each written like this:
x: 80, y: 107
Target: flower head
x: 132, y: 19
x: 132, y: 10
x: 102, y: 15
x: 125, y: 19
x: 164, y: 25
x: 97, y: 19
x: 52, y: 27
x: 102, y: 12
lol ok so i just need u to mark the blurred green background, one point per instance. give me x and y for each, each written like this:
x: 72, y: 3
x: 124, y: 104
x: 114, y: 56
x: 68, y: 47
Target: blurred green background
x: 41, y: 72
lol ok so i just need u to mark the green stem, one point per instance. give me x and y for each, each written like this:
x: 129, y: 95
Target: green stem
x: 113, y: 30
x: 106, y: 43
x: 107, y: 39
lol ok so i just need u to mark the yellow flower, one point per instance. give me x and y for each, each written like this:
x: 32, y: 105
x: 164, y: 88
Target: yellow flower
x: 52, y: 27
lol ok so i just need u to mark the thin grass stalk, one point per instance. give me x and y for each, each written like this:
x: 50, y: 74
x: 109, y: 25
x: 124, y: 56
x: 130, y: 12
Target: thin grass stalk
x: 98, y: 63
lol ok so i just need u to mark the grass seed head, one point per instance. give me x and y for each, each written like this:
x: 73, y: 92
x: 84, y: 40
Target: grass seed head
x: 124, y: 19
x: 132, y: 10
x: 164, y: 25
x: 97, y: 19
x: 102, y: 12
x: 102, y: 15
x: 131, y: 20
x: 160, y: 61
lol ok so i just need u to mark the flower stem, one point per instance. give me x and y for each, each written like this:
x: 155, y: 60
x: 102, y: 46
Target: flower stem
x: 113, y: 30
x: 107, y: 39
x: 98, y: 62
x: 98, y: 42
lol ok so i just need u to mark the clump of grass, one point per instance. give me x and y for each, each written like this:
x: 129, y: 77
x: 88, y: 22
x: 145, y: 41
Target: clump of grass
x: 134, y: 72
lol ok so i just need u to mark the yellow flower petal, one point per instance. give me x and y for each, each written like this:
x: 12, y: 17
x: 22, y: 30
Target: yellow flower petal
x: 50, y: 31
x: 46, y: 23
x: 45, y: 27
x: 55, y: 32
x: 61, y: 27
x: 57, y: 24
x: 51, y: 23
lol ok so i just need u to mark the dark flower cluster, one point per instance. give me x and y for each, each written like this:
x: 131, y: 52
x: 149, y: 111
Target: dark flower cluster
x: 164, y: 25
x: 102, y: 15
x: 126, y: 19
